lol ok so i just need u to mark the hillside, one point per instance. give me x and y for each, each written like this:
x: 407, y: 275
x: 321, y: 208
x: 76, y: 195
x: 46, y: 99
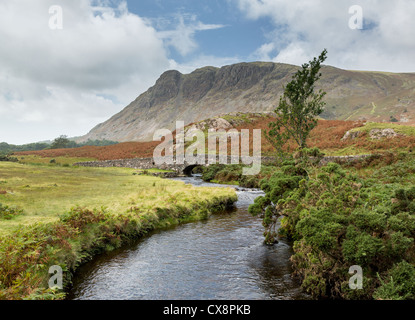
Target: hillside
x: 256, y: 87
x: 328, y: 136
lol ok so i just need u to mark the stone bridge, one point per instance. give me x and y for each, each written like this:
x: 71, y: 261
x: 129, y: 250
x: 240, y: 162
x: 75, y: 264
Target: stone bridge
x: 187, y: 167
x: 183, y: 167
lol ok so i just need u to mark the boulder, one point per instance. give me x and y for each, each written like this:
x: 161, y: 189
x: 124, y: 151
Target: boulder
x: 383, y: 133
x: 351, y: 135
x: 218, y: 124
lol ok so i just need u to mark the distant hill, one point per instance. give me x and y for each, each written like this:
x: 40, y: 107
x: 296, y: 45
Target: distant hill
x: 256, y: 87
x: 6, y: 148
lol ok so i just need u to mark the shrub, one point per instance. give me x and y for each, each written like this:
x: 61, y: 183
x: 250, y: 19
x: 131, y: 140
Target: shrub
x: 79, y: 217
x: 400, y: 283
x: 8, y: 213
x: 337, y: 220
x: 277, y: 187
x: 8, y: 158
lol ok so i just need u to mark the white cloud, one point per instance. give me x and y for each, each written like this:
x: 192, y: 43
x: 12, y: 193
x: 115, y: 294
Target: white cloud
x: 203, y: 61
x: 182, y: 37
x: 304, y: 28
x: 53, y: 81
x: 293, y: 54
x: 67, y: 81
x: 264, y: 52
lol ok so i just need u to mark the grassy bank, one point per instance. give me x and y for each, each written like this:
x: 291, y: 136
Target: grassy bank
x: 233, y: 175
x: 398, y: 128
x: 358, y: 214
x: 338, y: 217
x: 63, y: 216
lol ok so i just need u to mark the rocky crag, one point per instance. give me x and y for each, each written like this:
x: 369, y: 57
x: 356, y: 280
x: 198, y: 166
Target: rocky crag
x: 256, y: 87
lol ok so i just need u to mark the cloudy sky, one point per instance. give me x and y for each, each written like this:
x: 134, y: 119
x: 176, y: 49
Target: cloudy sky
x: 64, y: 76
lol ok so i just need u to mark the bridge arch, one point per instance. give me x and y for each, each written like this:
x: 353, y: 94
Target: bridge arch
x: 188, y: 169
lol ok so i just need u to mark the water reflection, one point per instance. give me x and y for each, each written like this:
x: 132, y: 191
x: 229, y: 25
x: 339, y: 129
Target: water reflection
x: 221, y: 258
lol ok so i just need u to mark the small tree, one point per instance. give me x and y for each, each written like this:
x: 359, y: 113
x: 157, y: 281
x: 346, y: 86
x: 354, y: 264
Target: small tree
x: 299, y: 106
x: 61, y: 143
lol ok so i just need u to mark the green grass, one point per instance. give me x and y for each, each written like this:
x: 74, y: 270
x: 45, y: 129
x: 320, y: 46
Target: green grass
x: 374, y: 108
x: 399, y: 128
x: 231, y: 183
x: 154, y: 170
x: 54, y: 215
x: 45, y: 192
x: 347, y: 151
x: 353, y: 114
x: 32, y: 159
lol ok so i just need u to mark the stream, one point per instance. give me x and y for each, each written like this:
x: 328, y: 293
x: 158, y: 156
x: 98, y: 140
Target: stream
x: 222, y: 258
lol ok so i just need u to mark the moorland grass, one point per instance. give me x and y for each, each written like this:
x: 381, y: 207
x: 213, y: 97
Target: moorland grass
x: 52, y: 161
x: 67, y: 215
x: 45, y: 192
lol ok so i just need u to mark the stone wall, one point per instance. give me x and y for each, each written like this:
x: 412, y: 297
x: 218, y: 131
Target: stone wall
x: 149, y: 163
x: 138, y: 163
x: 344, y: 159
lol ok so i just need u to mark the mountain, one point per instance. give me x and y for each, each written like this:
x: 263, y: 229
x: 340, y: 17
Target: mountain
x: 256, y: 87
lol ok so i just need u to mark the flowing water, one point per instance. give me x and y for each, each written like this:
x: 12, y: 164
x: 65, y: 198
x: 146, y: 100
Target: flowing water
x: 221, y: 258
